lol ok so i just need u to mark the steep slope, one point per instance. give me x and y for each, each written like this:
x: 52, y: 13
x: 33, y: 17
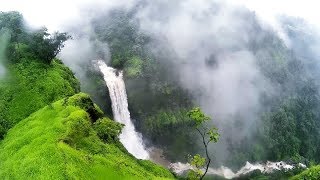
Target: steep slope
x: 31, y: 85
x: 59, y: 142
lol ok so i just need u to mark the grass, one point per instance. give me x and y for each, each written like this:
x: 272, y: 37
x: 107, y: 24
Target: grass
x: 31, y: 85
x: 58, y: 142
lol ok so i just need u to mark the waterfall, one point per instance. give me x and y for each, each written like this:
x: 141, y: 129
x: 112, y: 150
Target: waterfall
x: 131, y: 139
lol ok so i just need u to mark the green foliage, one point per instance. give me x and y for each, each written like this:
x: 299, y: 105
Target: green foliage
x: 198, y: 116
x: 59, y: 142
x: 213, y: 134
x: 288, y: 126
x: 78, y: 127
x: 84, y: 101
x: 312, y: 173
x: 133, y: 67
x: 13, y: 22
x: 45, y: 47
x: 194, y: 174
x: 197, y: 161
x: 30, y: 86
x: 108, y: 130
x: 165, y: 124
x: 36, y: 44
x: 207, y: 135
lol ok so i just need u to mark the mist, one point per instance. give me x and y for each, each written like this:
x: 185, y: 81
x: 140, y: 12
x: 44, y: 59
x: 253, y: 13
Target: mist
x: 4, y: 40
x: 213, y: 60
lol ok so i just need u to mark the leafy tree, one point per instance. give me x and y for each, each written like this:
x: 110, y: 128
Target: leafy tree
x: 46, y: 46
x: 208, y: 135
x: 13, y: 21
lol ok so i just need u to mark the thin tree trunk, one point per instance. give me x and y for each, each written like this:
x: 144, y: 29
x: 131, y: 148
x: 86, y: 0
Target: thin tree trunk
x: 207, y: 154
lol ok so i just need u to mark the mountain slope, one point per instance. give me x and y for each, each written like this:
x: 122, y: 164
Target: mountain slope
x: 59, y: 142
x: 31, y: 85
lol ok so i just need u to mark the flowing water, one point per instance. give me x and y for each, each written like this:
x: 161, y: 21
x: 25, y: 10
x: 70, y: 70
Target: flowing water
x: 266, y: 168
x: 131, y: 139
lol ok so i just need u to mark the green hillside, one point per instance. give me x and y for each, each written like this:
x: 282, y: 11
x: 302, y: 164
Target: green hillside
x: 30, y: 86
x: 59, y: 142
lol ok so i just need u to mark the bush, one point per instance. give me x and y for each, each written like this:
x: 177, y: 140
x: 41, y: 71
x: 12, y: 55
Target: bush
x: 84, y: 101
x: 312, y: 173
x: 108, y: 130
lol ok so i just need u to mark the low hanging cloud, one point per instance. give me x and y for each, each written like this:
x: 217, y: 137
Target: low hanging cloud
x: 4, y: 39
x: 200, y: 33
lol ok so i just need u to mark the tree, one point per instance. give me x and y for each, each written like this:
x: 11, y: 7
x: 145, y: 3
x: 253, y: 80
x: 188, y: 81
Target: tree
x: 208, y: 135
x: 13, y: 21
x: 47, y: 46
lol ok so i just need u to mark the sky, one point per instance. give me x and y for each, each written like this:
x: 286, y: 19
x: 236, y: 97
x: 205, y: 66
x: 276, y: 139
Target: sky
x: 267, y: 9
x: 54, y: 14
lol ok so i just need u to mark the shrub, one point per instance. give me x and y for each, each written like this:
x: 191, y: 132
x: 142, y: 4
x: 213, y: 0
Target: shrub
x: 108, y: 130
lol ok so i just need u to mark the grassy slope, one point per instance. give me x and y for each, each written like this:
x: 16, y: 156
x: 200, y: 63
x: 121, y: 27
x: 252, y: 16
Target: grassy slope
x: 31, y: 85
x: 58, y: 142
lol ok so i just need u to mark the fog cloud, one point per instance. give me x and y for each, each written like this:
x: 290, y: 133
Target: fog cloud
x: 214, y: 62
x: 4, y: 39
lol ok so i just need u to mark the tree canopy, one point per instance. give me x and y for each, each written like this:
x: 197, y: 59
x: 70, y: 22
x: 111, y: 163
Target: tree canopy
x: 26, y: 42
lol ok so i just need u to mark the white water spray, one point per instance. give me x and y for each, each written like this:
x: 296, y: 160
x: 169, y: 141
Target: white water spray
x: 227, y: 173
x: 131, y: 139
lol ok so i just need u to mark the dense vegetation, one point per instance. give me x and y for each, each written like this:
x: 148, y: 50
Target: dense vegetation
x: 60, y: 142
x: 289, y: 130
x: 311, y: 174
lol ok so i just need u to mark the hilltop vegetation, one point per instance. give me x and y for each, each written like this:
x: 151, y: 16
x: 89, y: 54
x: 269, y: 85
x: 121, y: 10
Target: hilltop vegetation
x: 33, y: 78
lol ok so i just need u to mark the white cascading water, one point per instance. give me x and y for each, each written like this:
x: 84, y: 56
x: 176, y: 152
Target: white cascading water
x: 227, y: 173
x: 131, y: 139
